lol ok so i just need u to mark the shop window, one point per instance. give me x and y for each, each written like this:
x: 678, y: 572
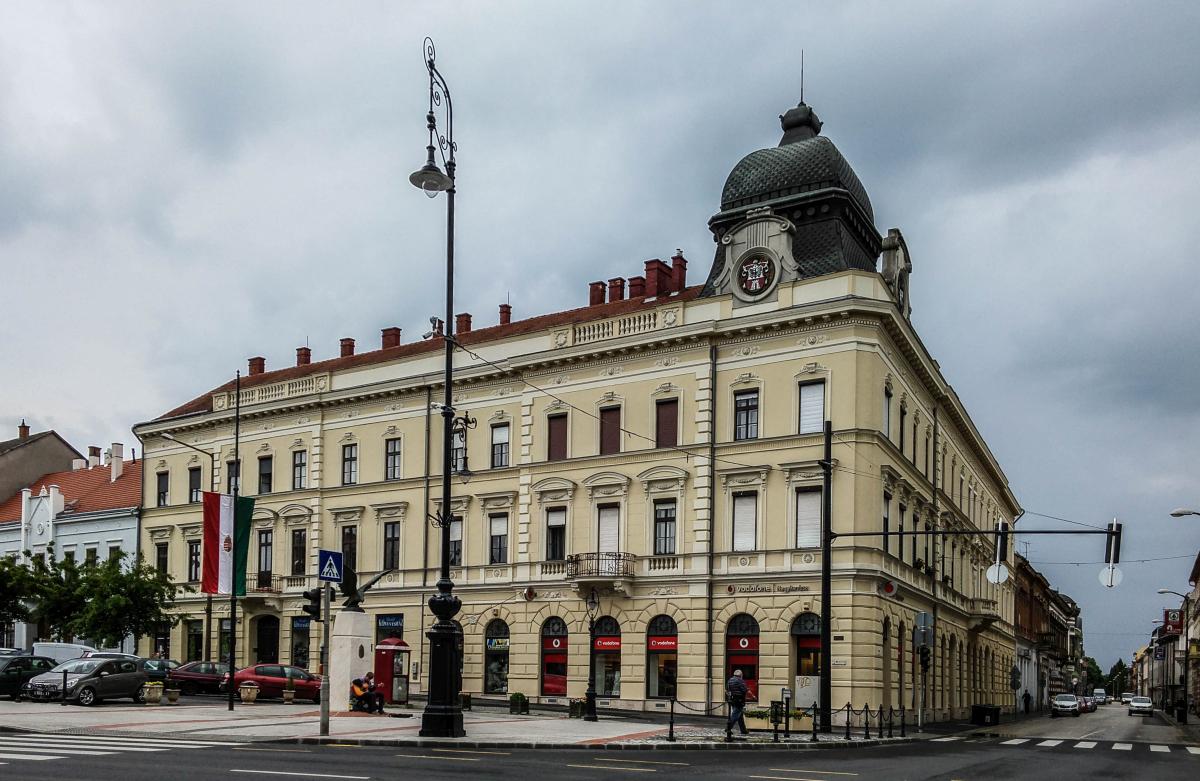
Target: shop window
x: 606, y: 656
x: 806, y: 633
x: 741, y: 651
x: 554, y: 657
x: 495, y: 665
x: 662, y: 657
x: 300, y: 636
x: 194, y: 639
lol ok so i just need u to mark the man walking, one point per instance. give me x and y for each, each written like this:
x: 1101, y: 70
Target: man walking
x: 737, y: 690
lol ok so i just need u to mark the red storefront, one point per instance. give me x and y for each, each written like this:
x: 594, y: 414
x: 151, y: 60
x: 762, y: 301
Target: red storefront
x: 741, y: 651
x: 554, y: 657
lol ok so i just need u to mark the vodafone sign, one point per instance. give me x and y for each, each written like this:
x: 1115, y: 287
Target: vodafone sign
x: 662, y: 643
x: 742, y: 644
x: 607, y: 644
x: 554, y: 643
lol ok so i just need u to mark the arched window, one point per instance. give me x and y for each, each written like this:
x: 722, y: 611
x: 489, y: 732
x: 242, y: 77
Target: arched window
x: 806, y: 631
x: 495, y: 665
x: 741, y: 651
x: 606, y: 656
x: 662, y: 657
x: 554, y: 657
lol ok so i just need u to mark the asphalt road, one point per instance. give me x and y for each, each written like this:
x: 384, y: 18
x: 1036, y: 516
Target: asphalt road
x: 1110, y: 750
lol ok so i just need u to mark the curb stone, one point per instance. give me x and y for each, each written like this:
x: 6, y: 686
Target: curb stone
x: 615, y: 746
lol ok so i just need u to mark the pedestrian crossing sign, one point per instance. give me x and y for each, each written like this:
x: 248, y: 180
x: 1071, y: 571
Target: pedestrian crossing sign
x: 329, y: 566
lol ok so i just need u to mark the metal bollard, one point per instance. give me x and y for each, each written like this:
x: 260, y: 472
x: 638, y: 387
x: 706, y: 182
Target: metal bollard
x: 891, y: 718
x: 867, y: 721
x: 671, y: 728
x: 848, y: 712
x: 902, y: 734
x: 64, y: 689
x: 787, y: 717
x: 816, y: 712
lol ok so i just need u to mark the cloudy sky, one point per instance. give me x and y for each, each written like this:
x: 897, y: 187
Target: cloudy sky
x: 184, y: 185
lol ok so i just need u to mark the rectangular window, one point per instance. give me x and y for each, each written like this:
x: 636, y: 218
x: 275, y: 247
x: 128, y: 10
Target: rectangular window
x: 114, y: 553
x: 193, y: 561
x: 458, y: 450
x: 349, y: 464
x: 500, y: 446
x: 498, y: 533
x: 887, y: 413
x: 664, y: 528
x: 266, y: 470
x: 299, y: 470
x: 887, y: 522
x: 556, y: 449
x: 455, y: 541
x: 90, y: 556
x: 926, y: 457
x: 161, y: 490
x: 745, y: 415
x: 745, y: 519
x: 233, y: 479
x: 556, y: 534
x: 900, y: 534
x: 194, y: 489
x: 808, y: 518
x: 194, y: 631
x: 666, y: 423
x: 160, y: 557
x: 914, y: 443
x: 812, y: 407
x: 912, y: 526
x: 266, y: 552
x: 391, y: 545
x: 299, y: 551
x: 610, y: 430
x: 391, y: 459
x: 903, y: 424
x: 608, y: 528
x: 350, y: 548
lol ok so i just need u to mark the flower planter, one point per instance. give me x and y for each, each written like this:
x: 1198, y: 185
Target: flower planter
x: 248, y: 693
x: 172, y: 696
x: 152, y: 693
x: 289, y: 696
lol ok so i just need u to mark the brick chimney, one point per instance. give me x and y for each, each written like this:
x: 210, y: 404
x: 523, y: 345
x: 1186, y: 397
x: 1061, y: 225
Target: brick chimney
x: 303, y: 356
x: 93, y: 456
x: 658, y: 278
x: 505, y: 314
x: 116, y: 461
x: 258, y: 365
x: 347, y: 347
x: 595, y: 293
x: 637, y: 287
x: 462, y: 323
x: 616, y: 289
x: 391, y: 337
x: 678, y: 271
x: 23, y: 430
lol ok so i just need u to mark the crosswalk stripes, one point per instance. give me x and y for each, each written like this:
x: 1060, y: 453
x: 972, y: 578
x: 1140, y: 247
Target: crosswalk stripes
x: 947, y: 739
x: 1050, y: 743
x: 1159, y: 749
x: 1122, y: 747
x: 1193, y: 750
x: 1014, y: 742
x: 1086, y: 744
x: 42, y: 746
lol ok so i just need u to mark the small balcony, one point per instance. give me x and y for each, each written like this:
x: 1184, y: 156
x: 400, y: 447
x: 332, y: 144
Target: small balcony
x: 608, y: 568
x: 263, y: 584
x: 984, y: 613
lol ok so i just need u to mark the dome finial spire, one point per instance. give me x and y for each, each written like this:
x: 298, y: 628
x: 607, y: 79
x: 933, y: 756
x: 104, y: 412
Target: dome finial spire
x: 799, y: 123
x: 801, y: 77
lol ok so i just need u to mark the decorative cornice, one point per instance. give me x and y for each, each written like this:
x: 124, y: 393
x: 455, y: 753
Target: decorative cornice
x: 389, y: 511
x: 346, y: 514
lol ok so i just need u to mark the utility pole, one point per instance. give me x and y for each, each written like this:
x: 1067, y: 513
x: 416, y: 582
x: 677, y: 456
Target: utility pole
x: 327, y: 589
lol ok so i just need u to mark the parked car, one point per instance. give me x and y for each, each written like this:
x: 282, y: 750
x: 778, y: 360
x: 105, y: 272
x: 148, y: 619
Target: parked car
x: 15, y: 671
x: 1141, y: 705
x: 1100, y: 695
x: 1085, y: 704
x: 1064, y: 705
x: 157, y: 669
x: 89, y: 681
x: 10, y: 651
x: 272, y: 678
x: 1126, y: 697
x: 108, y: 655
x: 198, y: 677
x: 62, y: 652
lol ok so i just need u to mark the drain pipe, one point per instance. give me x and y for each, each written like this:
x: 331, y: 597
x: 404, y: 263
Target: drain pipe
x: 425, y: 510
x: 712, y: 507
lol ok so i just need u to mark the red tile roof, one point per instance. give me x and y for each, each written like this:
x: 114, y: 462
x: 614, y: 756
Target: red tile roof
x: 85, y: 490
x: 519, y: 328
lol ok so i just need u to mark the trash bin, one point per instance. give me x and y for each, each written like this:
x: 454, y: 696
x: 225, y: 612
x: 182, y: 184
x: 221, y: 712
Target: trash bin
x: 985, y: 715
x: 1181, y: 714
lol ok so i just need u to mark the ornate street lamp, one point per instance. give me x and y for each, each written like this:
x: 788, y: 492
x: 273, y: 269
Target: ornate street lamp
x: 589, y: 704
x: 443, y: 711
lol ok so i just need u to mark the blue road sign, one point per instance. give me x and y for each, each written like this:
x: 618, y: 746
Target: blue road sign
x: 329, y: 566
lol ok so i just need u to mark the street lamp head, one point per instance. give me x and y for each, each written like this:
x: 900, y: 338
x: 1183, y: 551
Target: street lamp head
x: 430, y: 179
x: 1179, y: 512
x: 593, y: 602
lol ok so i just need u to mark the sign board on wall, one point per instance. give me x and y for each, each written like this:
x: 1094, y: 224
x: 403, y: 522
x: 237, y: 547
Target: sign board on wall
x: 807, y: 691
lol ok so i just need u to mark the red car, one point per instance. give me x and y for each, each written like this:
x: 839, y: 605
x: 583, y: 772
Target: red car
x: 197, y: 677
x: 273, y: 678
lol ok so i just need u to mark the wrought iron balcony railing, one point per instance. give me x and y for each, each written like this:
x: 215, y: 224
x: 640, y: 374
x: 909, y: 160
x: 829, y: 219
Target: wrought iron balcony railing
x: 606, y: 564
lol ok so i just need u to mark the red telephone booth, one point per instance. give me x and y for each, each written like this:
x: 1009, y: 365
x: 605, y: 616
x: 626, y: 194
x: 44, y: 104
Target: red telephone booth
x: 741, y: 651
x: 391, y: 670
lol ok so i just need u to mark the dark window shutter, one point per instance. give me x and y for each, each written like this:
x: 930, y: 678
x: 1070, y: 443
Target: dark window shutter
x: 666, y: 429
x: 558, y: 438
x: 610, y: 430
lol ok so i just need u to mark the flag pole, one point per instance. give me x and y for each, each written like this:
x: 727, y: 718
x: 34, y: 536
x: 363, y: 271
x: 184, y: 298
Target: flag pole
x: 236, y: 486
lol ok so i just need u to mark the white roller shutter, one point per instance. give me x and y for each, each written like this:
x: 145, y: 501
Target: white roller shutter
x: 812, y: 408
x: 456, y: 530
x: 609, y: 529
x: 745, y: 516
x: 556, y: 517
x: 808, y: 519
x: 499, y: 525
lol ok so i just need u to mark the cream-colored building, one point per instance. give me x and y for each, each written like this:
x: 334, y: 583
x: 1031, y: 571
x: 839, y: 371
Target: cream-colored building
x: 659, y: 445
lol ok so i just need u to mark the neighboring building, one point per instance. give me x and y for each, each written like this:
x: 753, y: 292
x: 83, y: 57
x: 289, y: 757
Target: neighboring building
x: 88, y: 512
x: 29, y: 456
x: 661, y: 446
x: 1062, y: 646
x: 1193, y: 637
x: 1034, y: 638
x: 1138, y: 674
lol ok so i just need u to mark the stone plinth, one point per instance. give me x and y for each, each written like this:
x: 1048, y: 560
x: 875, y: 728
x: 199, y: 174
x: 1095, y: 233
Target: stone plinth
x: 351, y: 655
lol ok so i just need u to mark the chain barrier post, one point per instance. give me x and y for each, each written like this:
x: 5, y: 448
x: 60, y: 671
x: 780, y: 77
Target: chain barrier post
x: 671, y: 728
x: 815, y: 714
x: 776, y: 717
x: 891, y: 717
x: 867, y: 721
x: 787, y: 716
x: 902, y: 733
x: 848, y: 712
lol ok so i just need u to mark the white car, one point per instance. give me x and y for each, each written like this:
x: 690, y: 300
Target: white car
x: 1064, y: 705
x: 1141, y: 705
x: 1126, y: 697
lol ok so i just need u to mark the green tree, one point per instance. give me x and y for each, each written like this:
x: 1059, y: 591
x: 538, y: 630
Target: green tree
x: 1091, y: 674
x: 125, y: 600
x: 15, y: 591
x: 1118, y: 678
x: 56, y: 593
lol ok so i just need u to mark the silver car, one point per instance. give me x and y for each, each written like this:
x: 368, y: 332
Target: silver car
x: 1141, y: 705
x: 88, y: 681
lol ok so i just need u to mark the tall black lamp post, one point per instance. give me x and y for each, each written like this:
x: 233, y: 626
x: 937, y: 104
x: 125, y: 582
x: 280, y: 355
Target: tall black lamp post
x: 589, y: 703
x: 443, y: 712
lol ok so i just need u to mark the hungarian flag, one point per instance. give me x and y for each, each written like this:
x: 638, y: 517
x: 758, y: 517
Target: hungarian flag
x: 226, y: 543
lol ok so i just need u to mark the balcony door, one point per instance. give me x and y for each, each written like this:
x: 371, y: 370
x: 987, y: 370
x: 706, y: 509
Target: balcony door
x: 608, y: 538
x: 267, y: 637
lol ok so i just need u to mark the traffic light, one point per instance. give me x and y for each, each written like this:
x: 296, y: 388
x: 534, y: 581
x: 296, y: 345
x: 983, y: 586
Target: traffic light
x: 1014, y: 678
x: 1112, y: 544
x: 1002, y: 533
x: 925, y: 653
x: 313, y: 608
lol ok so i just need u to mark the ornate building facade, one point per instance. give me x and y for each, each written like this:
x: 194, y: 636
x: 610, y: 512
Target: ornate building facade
x: 659, y: 447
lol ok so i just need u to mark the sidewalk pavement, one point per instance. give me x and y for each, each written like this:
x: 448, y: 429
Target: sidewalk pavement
x: 276, y: 722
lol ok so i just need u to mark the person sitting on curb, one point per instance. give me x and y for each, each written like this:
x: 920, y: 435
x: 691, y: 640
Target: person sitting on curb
x: 373, y: 697
x: 358, y: 696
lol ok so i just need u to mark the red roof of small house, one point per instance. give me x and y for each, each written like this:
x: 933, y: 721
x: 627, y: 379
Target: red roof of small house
x: 476, y: 336
x: 85, y: 490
